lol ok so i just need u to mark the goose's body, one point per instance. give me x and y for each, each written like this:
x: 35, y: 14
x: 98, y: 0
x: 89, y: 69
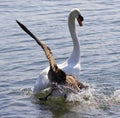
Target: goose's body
x: 72, y: 64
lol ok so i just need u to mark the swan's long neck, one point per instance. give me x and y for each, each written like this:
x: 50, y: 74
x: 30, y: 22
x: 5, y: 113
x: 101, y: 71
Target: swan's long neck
x: 76, y: 47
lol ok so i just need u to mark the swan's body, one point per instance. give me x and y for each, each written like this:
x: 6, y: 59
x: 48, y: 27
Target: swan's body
x: 72, y: 64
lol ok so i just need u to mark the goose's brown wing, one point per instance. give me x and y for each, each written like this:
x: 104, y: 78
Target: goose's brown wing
x: 73, y: 83
x: 46, y: 49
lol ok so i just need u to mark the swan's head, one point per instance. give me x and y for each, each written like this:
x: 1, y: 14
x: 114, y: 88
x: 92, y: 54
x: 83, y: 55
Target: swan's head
x: 75, y: 13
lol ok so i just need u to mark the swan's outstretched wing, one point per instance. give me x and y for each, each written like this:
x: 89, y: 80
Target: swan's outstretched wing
x: 46, y: 49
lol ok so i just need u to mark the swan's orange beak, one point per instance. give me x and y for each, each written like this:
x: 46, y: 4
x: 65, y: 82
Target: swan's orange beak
x: 80, y: 19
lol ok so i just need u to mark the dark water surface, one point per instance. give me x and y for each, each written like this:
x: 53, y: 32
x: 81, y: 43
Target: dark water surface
x: 21, y: 59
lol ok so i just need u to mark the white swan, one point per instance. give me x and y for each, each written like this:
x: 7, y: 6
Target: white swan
x: 72, y: 64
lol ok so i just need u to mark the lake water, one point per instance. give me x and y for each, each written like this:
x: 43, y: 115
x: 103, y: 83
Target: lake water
x: 21, y: 59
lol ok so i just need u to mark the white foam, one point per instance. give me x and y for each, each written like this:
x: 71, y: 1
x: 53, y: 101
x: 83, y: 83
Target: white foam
x: 94, y: 98
x: 84, y: 97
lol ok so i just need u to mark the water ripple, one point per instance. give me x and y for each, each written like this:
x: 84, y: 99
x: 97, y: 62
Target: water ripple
x: 21, y: 59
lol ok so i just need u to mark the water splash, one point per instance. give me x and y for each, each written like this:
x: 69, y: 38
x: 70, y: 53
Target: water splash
x: 22, y: 91
x: 27, y: 91
x: 115, y: 98
x: 94, y: 98
x: 89, y: 98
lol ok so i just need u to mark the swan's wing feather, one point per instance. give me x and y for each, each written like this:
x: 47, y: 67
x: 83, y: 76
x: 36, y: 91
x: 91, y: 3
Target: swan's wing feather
x: 46, y: 49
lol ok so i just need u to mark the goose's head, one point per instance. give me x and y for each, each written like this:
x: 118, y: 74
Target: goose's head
x: 75, y: 14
